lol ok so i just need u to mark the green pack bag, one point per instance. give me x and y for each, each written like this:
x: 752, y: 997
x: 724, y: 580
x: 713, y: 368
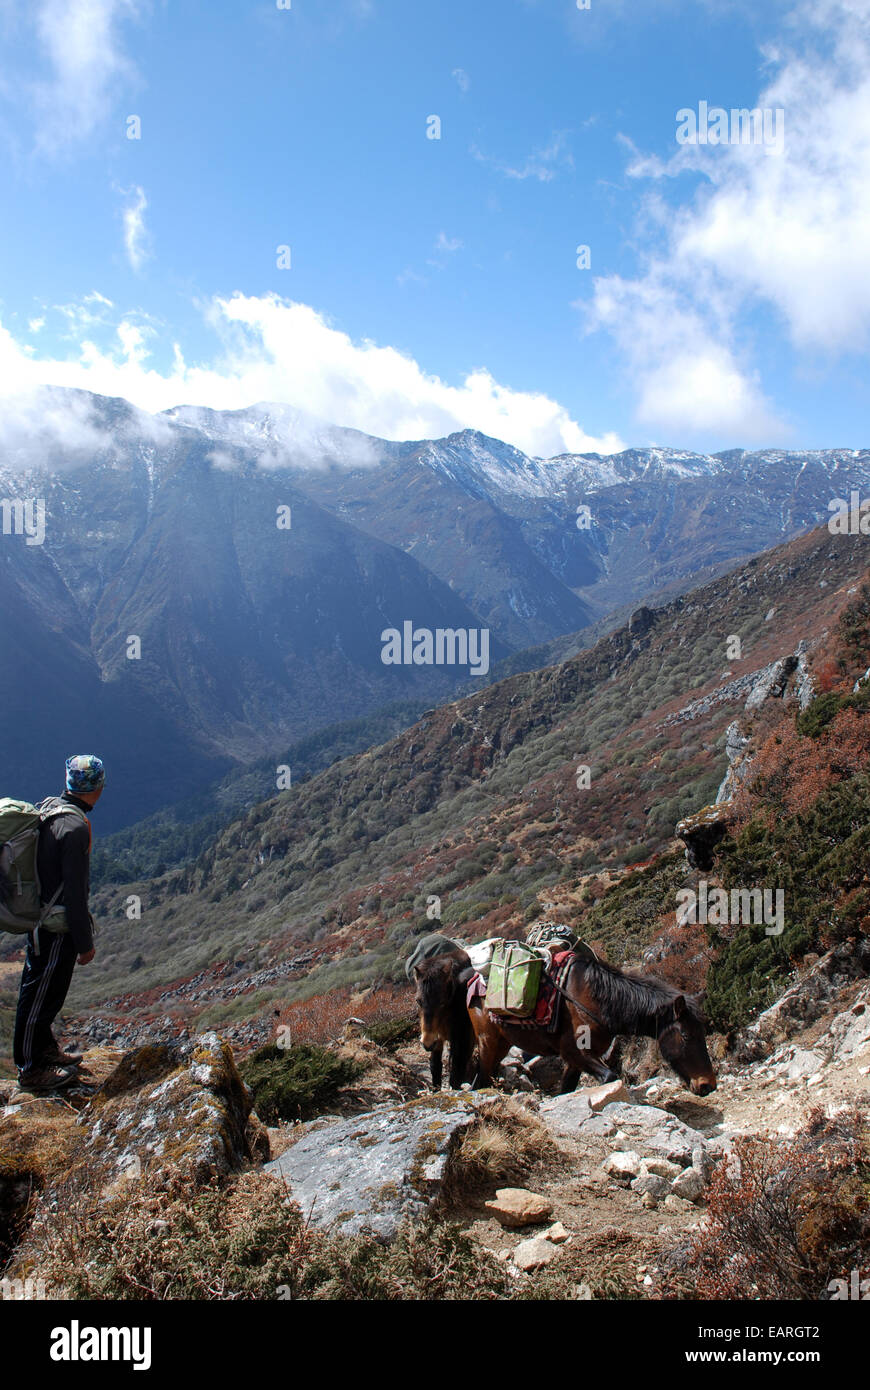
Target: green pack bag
x: 514, y: 979
x: 21, y: 907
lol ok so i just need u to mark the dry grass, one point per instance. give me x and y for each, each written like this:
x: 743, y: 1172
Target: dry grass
x: 240, y: 1239
x: 505, y: 1147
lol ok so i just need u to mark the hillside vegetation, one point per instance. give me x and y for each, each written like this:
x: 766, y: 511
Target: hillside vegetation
x: 318, y: 891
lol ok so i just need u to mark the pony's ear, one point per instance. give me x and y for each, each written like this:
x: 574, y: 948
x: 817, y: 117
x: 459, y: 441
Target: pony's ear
x: 679, y: 1006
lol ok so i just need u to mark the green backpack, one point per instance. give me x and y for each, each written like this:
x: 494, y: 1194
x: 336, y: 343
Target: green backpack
x: 21, y: 907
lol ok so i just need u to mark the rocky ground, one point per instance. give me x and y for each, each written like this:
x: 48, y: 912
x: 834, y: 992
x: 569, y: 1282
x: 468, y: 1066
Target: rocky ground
x: 615, y: 1176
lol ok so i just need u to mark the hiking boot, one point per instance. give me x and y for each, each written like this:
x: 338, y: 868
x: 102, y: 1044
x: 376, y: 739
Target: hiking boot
x: 47, y: 1077
x: 56, y: 1057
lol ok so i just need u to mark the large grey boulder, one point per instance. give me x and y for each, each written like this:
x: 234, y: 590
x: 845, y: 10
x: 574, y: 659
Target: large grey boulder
x: 375, y: 1170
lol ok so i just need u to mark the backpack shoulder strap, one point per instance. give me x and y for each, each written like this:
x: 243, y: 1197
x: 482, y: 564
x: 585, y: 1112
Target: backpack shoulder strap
x: 54, y: 806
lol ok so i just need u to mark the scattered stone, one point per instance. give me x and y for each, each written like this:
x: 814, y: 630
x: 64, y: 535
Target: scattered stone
x: 622, y: 1165
x: 531, y: 1254
x: 649, y: 1201
x: 546, y: 1072
x: 599, y: 1096
x: 557, y: 1234
x: 659, y: 1167
x: 516, y: 1206
x: 803, y: 1064
x: 702, y: 1164
x: 678, y: 1203
x: 651, y: 1185
x: 689, y: 1185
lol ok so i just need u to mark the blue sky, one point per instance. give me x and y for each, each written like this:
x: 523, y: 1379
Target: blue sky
x: 433, y: 284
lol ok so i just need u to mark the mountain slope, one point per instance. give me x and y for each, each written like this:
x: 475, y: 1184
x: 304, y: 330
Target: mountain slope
x: 479, y: 803
x: 163, y: 529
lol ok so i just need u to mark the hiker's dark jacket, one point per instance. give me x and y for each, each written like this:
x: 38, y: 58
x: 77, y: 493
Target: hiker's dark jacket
x: 63, y: 856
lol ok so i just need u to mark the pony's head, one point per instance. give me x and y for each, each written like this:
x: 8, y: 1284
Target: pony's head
x: 683, y: 1045
x: 437, y: 989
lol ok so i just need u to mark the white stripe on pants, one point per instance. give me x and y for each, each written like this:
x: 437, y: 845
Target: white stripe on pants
x: 33, y: 1016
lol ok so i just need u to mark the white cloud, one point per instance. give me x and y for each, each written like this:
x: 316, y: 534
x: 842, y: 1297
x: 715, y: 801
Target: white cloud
x: 543, y: 164
x: 444, y: 246
x: 135, y: 233
x: 463, y: 81
x: 787, y: 232
x: 84, y: 315
x: 410, y: 276
x: 446, y: 243
x: 82, y: 45
x: 685, y: 376
x: 275, y: 350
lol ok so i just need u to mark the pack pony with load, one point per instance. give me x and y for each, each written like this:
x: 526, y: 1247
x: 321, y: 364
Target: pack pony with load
x: 583, y: 1004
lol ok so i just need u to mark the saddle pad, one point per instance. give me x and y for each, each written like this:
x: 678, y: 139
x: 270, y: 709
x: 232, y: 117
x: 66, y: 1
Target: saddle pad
x: 476, y: 990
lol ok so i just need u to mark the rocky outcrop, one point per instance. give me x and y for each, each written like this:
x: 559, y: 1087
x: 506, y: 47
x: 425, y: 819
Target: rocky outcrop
x: 701, y: 834
x: 157, y: 1111
x: 183, y: 1106
x: 736, y: 742
x: 772, y: 683
x: 814, y: 994
x: 804, y: 685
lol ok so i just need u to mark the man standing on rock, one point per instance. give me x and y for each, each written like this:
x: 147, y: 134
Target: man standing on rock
x: 52, y: 951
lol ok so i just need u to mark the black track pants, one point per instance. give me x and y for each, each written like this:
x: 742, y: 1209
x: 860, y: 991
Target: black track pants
x: 44, y: 985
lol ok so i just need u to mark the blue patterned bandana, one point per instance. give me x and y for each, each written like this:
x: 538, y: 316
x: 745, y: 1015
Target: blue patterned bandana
x: 84, y: 773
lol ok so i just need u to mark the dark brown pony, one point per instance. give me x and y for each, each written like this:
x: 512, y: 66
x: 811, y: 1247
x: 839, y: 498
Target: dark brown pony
x: 601, y: 1003
x: 440, y: 997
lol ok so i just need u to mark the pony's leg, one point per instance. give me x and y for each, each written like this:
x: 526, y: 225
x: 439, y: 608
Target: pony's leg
x: 595, y: 1067
x: 492, y: 1047
x: 579, y: 1059
x: 436, y: 1065
x: 570, y: 1077
x: 460, y: 1061
x: 462, y: 1041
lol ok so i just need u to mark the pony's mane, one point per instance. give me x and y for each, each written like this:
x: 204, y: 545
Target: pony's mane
x: 628, y: 999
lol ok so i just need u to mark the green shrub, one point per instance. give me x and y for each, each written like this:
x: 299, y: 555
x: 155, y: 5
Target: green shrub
x: 296, y: 1083
x: 393, y: 1032
x: 825, y: 708
x: 818, y: 859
